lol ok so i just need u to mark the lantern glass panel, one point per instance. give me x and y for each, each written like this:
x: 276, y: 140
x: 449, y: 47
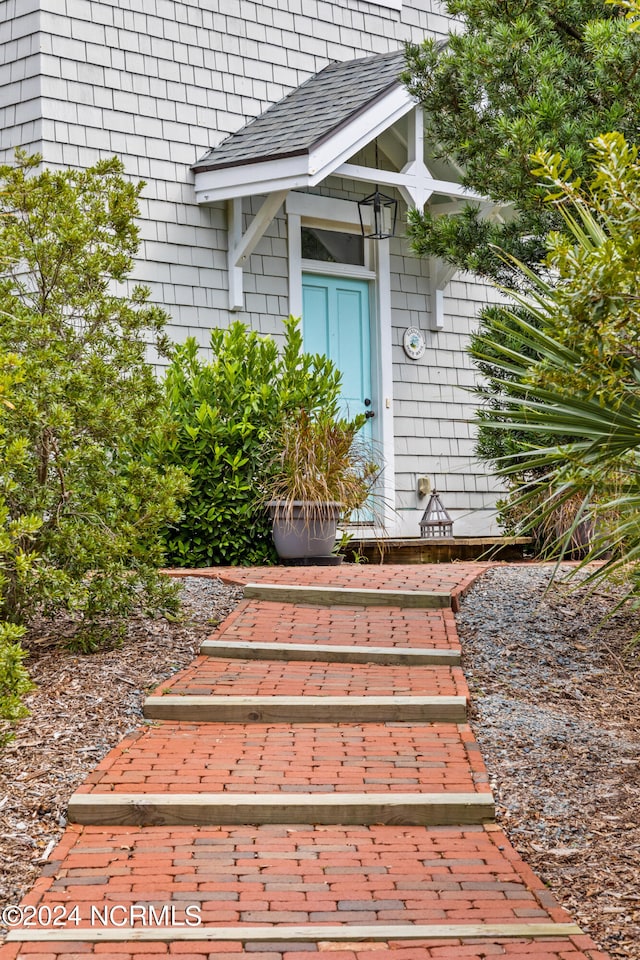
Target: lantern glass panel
x: 384, y: 215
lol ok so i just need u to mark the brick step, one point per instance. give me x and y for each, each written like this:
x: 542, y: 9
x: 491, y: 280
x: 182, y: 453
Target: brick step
x: 266, y: 621
x: 449, y: 577
x: 350, y: 596
x: 296, y: 875
x: 144, y: 809
x: 256, y: 650
x: 291, y: 759
x: 214, y: 676
x: 216, y: 689
x: 305, y: 709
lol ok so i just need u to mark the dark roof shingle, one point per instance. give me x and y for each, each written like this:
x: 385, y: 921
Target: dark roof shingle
x: 320, y: 106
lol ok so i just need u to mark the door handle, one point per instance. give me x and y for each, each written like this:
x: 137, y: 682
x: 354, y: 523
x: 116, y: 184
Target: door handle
x: 369, y: 414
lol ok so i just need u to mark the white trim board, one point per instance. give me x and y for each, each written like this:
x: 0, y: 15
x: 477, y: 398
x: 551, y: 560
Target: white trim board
x: 241, y: 245
x: 324, y: 211
x: 349, y: 270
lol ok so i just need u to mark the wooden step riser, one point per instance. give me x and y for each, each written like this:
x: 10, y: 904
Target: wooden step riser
x: 193, y: 709
x: 327, y: 933
x: 329, y: 654
x: 332, y: 596
x: 236, y: 809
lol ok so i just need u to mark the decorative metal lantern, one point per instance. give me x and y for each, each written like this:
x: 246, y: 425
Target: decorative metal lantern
x: 384, y: 216
x: 436, y: 524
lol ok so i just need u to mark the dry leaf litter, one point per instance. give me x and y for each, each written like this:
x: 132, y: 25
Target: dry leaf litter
x: 82, y: 707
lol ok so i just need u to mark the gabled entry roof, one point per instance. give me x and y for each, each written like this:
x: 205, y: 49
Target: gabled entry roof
x: 312, y: 134
x: 304, y: 138
x: 304, y: 118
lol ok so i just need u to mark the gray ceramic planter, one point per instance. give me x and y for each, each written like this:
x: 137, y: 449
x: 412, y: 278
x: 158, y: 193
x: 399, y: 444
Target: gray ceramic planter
x: 302, y: 529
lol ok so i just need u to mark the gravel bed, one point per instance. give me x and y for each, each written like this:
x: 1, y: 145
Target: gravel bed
x: 556, y: 710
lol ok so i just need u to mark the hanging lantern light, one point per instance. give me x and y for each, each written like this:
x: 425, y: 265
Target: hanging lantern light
x: 436, y: 524
x: 384, y: 213
x: 384, y: 216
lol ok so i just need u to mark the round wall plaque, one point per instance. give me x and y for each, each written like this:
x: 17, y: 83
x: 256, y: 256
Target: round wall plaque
x: 413, y: 343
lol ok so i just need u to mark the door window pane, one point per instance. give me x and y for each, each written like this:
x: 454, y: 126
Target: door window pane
x: 332, y: 247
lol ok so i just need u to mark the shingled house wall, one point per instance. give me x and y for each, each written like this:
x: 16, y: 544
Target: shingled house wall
x: 158, y: 82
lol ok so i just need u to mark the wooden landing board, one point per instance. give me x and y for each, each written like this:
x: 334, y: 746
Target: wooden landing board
x: 211, y: 709
x: 330, y: 652
x: 161, y: 809
x: 331, y: 596
x: 343, y: 933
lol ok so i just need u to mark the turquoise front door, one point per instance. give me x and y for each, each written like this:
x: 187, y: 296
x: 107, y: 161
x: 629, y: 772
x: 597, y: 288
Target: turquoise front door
x: 336, y: 322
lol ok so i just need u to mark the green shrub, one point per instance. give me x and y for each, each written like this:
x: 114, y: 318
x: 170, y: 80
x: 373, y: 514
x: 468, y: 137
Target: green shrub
x: 582, y: 328
x: 14, y: 679
x: 220, y: 420
x: 87, y: 398
x: 15, y: 560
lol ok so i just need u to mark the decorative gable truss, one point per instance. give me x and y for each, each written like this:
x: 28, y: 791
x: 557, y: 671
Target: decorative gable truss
x: 267, y: 168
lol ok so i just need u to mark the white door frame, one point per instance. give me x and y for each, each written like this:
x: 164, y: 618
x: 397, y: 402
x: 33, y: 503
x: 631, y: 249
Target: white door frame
x: 306, y: 209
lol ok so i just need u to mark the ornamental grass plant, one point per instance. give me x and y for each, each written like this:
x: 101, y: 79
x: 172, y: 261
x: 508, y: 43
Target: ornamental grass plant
x: 319, y: 461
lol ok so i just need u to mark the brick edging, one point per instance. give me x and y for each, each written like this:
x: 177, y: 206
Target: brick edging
x: 457, y: 593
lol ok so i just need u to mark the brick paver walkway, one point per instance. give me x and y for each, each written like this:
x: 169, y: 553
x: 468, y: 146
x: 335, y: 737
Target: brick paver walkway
x: 262, y: 758
x: 268, y: 622
x: 370, y: 889
x: 212, y: 675
x: 455, y: 578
